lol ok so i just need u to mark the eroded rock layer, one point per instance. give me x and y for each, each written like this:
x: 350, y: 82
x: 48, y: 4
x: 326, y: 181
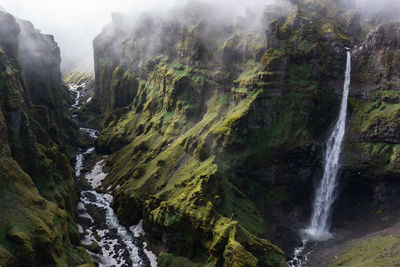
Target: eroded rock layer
x: 38, y: 195
x: 216, y: 130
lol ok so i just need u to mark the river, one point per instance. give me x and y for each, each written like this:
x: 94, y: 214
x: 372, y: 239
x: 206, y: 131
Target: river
x: 98, y: 224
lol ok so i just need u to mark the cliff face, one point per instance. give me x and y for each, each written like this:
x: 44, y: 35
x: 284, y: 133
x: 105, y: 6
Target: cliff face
x: 216, y: 132
x: 171, y: 104
x: 371, y: 157
x: 38, y: 193
x: 40, y: 61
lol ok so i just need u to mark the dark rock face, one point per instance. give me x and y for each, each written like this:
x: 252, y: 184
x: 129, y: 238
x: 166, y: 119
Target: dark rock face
x: 370, y: 157
x: 38, y: 194
x: 40, y: 60
x: 376, y: 77
x: 222, y: 124
x: 216, y: 131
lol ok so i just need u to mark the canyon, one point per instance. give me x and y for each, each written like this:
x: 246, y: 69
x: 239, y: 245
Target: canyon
x: 202, y: 140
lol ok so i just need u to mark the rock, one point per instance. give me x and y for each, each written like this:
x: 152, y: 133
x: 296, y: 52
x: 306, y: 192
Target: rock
x: 37, y: 180
x: 6, y: 258
x: 94, y: 247
x: 216, y: 140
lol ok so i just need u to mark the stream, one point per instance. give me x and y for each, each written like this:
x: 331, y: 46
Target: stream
x: 97, y: 223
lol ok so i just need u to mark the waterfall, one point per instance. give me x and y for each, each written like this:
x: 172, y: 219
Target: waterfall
x: 326, y: 192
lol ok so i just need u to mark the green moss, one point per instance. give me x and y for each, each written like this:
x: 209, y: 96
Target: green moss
x: 170, y: 260
x: 180, y: 174
x: 37, y: 185
x: 202, y: 121
x: 6, y: 258
x: 78, y: 77
x: 389, y: 96
x: 354, y: 104
x: 272, y: 59
x: 370, y: 113
x: 250, y: 76
x: 379, y: 250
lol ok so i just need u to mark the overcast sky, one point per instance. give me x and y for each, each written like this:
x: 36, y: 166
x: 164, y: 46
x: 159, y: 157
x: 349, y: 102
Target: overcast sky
x: 75, y: 23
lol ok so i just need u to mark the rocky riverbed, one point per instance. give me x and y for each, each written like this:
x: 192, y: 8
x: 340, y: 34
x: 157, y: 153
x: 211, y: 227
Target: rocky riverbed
x: 107, y: 241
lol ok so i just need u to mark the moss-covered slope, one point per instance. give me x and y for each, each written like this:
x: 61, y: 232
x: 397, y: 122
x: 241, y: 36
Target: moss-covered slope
x: 215, y: 130
x: 37, y: 189
x: 373, y: 136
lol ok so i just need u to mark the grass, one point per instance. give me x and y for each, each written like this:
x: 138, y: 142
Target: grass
x: 170, y: 260
x: 380, y: 251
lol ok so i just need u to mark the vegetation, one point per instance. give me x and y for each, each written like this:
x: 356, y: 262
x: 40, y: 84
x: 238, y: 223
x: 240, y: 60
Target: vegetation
x: 378, y: 250
x: 202, y: 123
x: 214, y: 136
x: 37, y: 184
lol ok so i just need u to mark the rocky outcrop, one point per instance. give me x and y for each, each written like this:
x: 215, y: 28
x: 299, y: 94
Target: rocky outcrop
x: 218, y: 135
x: 371, y: 153
x: 38, y: 193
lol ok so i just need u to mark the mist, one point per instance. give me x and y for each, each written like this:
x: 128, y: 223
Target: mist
x: 75, y: 23
x: 380, y: 11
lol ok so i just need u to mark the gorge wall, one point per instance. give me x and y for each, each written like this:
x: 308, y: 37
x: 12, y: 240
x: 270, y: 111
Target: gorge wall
x: 214, y: 125
x: 38, y: 195
x: 216, y: 130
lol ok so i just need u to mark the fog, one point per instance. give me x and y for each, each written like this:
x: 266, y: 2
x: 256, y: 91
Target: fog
x: 380, y: 10
x: 75, y: 23
x: 375, y: 5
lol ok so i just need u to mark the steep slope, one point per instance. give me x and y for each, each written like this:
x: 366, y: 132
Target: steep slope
x: 371, y: 158
x: 216, y: 129
x: 38, y: 194
x: 40, y: 60
x: 374, y: 120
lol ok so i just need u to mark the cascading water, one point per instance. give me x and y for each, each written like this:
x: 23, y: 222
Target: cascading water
x: 98, y: 223
x: 326, y: 192
x: 318, y: 230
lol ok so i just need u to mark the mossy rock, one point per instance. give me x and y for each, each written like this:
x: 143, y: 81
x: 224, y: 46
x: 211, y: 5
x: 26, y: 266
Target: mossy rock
x: 6, y: 258
x: 170, y: 260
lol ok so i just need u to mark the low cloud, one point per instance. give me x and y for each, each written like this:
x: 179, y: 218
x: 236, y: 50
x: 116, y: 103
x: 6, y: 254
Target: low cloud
x: 75, y: 23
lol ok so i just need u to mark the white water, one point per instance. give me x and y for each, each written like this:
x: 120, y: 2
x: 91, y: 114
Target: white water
x: 118, y: 246
x: 74, y: 88
x: 93, y: 198
x: 138, y: 231
x: 90, y: 132
x: 319, y: 228
x: 299, y: 258
x: 113, y: 239
x: 96, y: 176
